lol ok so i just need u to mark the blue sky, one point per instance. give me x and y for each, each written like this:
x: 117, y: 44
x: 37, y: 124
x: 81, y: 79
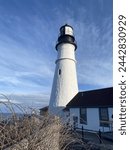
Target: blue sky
x: 28, y: 34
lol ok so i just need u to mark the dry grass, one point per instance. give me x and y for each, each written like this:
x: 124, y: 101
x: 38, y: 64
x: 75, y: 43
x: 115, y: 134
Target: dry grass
x: 35, y: 132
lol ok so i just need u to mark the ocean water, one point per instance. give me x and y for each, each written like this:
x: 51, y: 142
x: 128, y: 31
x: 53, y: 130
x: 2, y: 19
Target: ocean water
x: 6, y: 116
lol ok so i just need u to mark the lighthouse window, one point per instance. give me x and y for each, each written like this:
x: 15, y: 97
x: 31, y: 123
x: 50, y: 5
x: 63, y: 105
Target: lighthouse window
x: 62, y: 31
x: 69, y: 31
x: 59, y: 71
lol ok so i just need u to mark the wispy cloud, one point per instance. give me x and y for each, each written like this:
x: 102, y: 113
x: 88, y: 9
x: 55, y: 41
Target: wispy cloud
x: 24, y: 59
x: 95, y: 67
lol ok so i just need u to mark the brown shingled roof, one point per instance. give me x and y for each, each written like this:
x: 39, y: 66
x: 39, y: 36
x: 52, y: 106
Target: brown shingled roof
x: 94, y: 98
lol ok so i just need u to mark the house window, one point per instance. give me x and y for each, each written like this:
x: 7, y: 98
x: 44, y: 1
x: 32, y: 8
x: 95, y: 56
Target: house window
x: 59, y: 71
x: 75, y: 121
x: 83, y: 115
x: 103, y: 116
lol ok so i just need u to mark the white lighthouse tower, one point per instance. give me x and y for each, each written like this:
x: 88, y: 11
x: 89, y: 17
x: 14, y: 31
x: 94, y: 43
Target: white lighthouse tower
x: 65, y: 85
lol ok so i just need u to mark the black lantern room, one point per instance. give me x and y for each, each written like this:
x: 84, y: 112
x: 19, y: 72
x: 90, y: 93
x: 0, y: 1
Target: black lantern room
x: 66, y: 36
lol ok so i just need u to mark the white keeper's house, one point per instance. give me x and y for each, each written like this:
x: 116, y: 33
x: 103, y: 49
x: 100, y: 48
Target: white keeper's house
x: 91, y: 110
